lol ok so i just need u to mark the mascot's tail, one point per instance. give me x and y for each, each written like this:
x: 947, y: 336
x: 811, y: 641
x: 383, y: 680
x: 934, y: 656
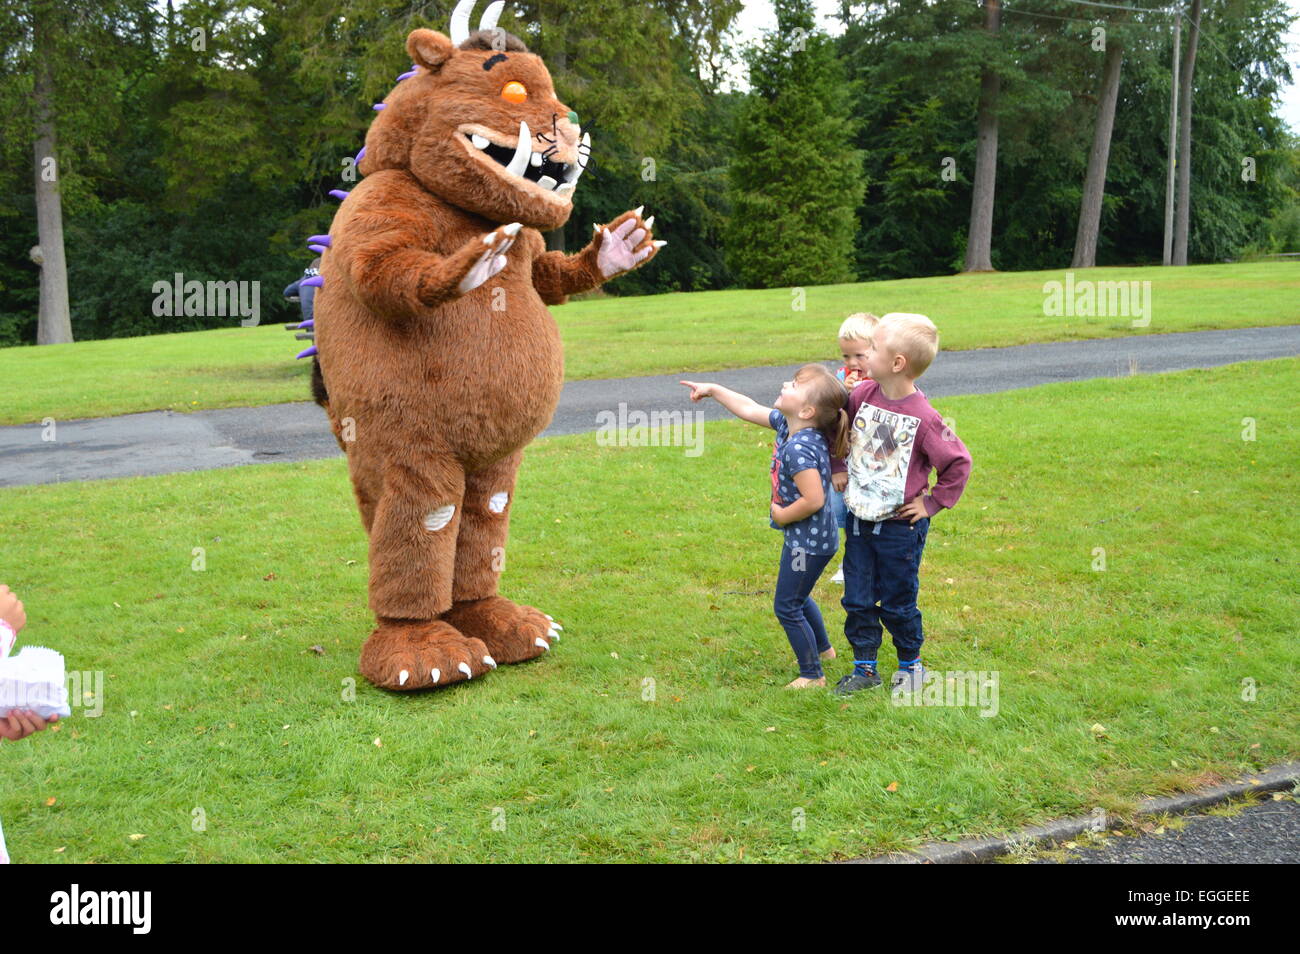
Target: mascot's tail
x: 318, y: 392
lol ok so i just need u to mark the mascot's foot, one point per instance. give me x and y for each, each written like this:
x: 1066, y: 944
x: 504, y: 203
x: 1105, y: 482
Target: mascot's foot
x: 415, y: 654
x: 511, y: 632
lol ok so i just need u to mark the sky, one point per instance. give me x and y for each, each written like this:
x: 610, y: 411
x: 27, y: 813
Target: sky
x: 758, y: 16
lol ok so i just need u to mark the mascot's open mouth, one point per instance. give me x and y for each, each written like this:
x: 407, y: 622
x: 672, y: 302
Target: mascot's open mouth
x: 557, y: 178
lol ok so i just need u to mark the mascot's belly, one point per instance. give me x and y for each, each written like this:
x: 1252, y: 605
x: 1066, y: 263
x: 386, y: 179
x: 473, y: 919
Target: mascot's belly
x: 477, y: 382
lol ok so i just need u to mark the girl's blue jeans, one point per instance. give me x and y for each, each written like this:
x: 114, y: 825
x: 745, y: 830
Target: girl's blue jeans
x: 797, y: 612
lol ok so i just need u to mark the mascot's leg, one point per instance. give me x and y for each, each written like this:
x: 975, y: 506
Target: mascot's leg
x: 511, y: 632
x: 413, y: 516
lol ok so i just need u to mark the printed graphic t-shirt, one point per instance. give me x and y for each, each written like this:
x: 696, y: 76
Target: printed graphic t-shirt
x: 893, y: 446
x: 817, y: 534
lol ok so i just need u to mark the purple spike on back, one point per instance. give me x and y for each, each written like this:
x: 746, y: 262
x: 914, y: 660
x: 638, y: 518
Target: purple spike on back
x: 379, y: 106
x: 309, y: 323
x: 407, y: 75
x: 361, y: 155
x: 316, y: 281
x: 307, y: 352
x: 318, y: 249
x: 339, y: 194
x: 320, y: 240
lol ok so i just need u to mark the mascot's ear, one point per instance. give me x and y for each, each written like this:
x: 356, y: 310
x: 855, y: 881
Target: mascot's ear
x: 429, y: 49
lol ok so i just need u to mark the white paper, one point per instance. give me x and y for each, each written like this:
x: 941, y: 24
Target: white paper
x: 34, y: 679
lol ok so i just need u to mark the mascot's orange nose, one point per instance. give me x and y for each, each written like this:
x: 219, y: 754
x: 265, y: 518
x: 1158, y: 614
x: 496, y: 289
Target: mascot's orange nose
x: 514, y: 92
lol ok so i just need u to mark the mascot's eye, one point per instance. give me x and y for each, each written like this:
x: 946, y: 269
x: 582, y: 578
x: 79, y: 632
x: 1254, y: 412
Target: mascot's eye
x: 514, y: 92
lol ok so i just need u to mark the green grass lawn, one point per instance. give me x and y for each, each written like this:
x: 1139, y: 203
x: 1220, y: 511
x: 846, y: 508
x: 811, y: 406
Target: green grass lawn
x: 657, y: 729
x: 659, y: 334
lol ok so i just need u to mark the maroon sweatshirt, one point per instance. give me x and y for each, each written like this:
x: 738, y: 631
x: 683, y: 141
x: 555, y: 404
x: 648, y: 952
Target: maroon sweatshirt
x: 893, y: 446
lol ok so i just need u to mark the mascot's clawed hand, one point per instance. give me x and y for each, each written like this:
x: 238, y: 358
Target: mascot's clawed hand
x: 624, y: 244
x: 438, y: 361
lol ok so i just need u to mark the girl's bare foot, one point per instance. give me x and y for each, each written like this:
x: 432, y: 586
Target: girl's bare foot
x: 829, y: 654
x: 804, y: 683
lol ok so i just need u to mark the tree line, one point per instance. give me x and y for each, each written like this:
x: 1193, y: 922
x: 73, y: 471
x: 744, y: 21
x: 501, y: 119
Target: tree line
x: 143, y: 141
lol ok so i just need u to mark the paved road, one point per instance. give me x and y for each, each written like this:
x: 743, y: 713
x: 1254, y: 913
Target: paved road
x: 1267, y: 833
x: 160, y: 442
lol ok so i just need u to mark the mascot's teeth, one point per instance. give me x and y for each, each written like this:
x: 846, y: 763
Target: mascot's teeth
x: 478, y: 141
x: 537, y: 159
x: 523, y: 151
x: 546, y: 182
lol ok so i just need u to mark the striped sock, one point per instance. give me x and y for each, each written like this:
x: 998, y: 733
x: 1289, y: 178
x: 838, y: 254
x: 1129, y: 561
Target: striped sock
x: 910, y: 665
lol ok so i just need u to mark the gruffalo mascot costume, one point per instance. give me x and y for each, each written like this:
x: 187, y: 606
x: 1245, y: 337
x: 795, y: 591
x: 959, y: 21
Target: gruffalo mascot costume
x: 436, y: 358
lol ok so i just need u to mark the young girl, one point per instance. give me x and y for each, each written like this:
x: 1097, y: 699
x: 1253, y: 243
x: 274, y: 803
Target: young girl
x: 810, y: 424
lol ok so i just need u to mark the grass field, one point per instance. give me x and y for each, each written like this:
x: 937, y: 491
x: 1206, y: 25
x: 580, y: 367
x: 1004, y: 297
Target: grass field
x: 659, y: 334
x: 656, y: 730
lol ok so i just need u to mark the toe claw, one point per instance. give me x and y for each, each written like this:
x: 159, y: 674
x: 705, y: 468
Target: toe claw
x: 490, y: 662
x: 464, y: 667
x: 543, y: 643
x: 402, y: 677
x: 553, y: 634
x: 436, y: 674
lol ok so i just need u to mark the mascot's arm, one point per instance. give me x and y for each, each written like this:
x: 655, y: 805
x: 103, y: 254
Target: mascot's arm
x: 557, y: 275
x: 624, y: 244
x: 385, y: 253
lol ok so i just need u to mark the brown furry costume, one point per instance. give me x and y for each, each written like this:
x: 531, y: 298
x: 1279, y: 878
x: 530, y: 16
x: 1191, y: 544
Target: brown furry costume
x: 438, y: 358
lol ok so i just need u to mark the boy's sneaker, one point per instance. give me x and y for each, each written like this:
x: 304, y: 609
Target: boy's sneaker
x: 908, y: 680
x: 855, y: 681
x: 839, y: 575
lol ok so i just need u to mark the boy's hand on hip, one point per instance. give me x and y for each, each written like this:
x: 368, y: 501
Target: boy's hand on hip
x: 915, y: 509
x: 840, y: 481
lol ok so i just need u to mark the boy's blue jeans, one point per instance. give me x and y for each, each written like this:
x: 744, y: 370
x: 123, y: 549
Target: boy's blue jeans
x: 881, y: 563
x: 797, y: 612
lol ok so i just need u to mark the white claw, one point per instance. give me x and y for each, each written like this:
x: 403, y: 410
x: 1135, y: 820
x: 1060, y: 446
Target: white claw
x: 436, y: 674
x: 658, y: 243
x: 639, y: 208
x: 552, y: 633
x: 543, y: 643
x: 549, y: 616
x: 513, y: 229
x: 402, y: 677
x: 650, y: 221
x: 523, y: 151
x: 464, y: 667
x: 489, y: 661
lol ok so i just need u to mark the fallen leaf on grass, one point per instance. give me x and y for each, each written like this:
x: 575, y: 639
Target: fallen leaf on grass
x: 891, y: 787
x: 135, y: 837
x: 50, y: 801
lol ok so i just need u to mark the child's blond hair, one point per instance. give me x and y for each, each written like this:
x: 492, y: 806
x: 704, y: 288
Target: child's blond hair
x: 914, y: 337
x: 858, y: 326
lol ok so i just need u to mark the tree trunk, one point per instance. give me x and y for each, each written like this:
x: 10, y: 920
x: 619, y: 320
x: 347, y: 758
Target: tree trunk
x: 1094, y: 181
x: 557, y: 59
x: 54, y: 325
x: 1183, y: 210
x: 979, y: 239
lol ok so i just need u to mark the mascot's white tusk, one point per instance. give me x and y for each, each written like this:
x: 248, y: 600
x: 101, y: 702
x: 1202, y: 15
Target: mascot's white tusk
x: 580, y: 166
x: 460, y: 21
x: 523, y: 151
x: 490, y: 15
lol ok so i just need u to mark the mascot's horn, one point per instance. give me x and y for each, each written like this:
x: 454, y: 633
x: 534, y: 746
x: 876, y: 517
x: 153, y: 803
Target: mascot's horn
x: 460, y: 19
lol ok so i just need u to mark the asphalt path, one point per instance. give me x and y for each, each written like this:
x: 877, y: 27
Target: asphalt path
x: 162, y: 442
